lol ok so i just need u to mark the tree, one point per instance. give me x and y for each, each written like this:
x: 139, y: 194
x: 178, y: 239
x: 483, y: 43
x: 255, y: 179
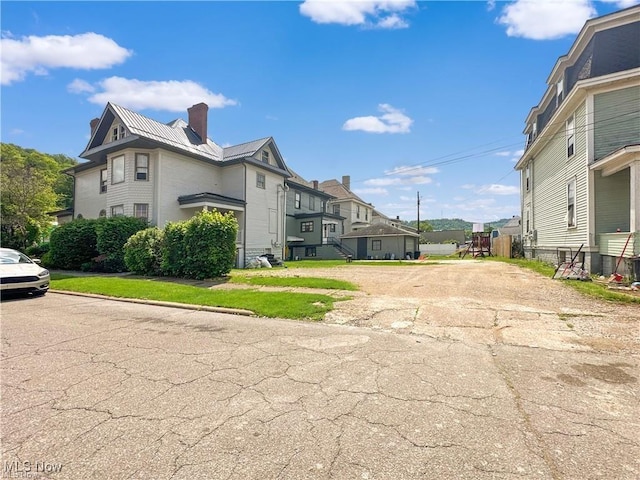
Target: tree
x: 27, y: 194
x: 32, y: 186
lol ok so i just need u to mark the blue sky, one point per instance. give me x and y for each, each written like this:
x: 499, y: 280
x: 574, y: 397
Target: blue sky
x: 403, y: 96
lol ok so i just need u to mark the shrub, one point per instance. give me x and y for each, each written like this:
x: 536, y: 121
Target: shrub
x: 173, y: 252
x: 143, y: 252
x: 72, y: 244
x: 37, y: 251
x: 111, y: 235
x: 210, y: 244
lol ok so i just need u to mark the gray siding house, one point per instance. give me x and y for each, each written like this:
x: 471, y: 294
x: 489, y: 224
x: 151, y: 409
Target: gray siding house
x: 580, y: 172
x: 381, y: 242
x: 312, y: 231
x: 139, y: 167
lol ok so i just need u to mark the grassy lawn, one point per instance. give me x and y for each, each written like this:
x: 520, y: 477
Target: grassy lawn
x: 592, y: 289
x: 305, y: 306
x: 263, y: 278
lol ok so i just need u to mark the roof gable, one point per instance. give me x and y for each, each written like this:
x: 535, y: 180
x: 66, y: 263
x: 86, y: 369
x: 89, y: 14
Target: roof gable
x: 176, y: 135
x: 339, y: 191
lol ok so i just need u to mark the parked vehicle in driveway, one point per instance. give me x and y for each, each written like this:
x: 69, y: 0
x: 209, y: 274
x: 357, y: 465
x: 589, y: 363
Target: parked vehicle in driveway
x: 21, y: 274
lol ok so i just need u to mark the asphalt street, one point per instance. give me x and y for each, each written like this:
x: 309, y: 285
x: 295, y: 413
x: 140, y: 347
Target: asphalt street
x: 101, y: 389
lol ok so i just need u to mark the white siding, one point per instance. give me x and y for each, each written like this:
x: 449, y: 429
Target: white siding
x: 88, y: 199
x: 260, y: 201
x: 550, y: 174
x: 178, y: 175
x: 131, y: 191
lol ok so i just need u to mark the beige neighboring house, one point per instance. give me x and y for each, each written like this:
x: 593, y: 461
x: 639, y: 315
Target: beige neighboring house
x: 356, y: 212
x: 137, y: 166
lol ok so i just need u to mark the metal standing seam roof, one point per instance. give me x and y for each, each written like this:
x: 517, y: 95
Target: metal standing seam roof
x: 177, y: 133
x: 243, y: 150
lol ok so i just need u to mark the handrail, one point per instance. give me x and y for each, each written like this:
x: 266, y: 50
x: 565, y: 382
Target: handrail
x: 340, y: 246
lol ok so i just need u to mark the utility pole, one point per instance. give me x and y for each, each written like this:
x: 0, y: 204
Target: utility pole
x: 418, y: 214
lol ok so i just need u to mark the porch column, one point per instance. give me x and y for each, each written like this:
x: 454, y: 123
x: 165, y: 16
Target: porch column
x: 634, y: 196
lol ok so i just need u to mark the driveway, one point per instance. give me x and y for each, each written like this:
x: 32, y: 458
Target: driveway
x: 103, y: 389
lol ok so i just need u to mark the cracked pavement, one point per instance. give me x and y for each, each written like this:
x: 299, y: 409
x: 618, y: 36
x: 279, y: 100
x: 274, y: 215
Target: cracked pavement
x: 464, y: 384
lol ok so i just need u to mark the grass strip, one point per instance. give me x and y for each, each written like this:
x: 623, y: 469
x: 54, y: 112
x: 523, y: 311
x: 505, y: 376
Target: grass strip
x: 591, y: 289
x: 294, y: 282
x: 299, y: 306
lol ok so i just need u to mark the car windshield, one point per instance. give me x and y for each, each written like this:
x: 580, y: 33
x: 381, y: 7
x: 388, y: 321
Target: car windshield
x: 13, y: 257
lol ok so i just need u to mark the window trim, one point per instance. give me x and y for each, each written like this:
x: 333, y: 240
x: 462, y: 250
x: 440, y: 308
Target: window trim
x: 261, y: 180
x: 113, y: 209
x: 135, y: 210
x: 312, y: 203
x: 332, y: 227
x: 527, y: 177
x: 113, y: 169
x: 310, y: 251
x: 145, y: 169
x: 306, y: 227
x: 376, y: 243
x: 118, y: 132
x: 296, y: 200
x: 265, y: 156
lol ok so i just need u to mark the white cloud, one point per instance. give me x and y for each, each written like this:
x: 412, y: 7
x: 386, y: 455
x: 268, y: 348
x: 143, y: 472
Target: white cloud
x: 80, y: 86
x: 546, y: 19
x: 385, y: 14
x: 16, y: 131
x: 407, y: 170
x: 171, y: 95
x: 397, y: 181
x: 622, y: 3
x: 371, y: 191
x: 468, y: 186
x: 503, y: 154
x: 392, y: 120
x: 497, y: 189
x: 37, y: 55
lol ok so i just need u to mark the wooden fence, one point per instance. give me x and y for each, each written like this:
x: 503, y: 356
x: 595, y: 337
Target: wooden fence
x: 502, y: 246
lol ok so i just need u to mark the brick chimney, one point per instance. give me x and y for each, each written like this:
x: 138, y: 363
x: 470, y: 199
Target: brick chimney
x: 94, y: 124
x: 198, y: 120
x: 346, y: 181
x: 315, y: 184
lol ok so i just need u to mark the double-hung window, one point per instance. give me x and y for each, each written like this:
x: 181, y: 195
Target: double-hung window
x: 306, y: 226
x: 265, y: 156
x: 571, y: 136
x: 571, y: 203
x: 527, y: 177
x: 297, y: 200
x: 103, y: 180
x: 117, y: 170
x: 336, y: 209
x: 312, y: 203
x: 260, y: 180
x: 142, y: 166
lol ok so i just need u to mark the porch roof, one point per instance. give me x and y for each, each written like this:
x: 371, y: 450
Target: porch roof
x: 618, y: 160
x: 211, y: 200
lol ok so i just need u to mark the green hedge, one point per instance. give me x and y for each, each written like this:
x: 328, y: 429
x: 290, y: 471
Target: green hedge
x: 143, y: 252
x: 210, y: 244
x: 111, y: 235
x: 73, y: 244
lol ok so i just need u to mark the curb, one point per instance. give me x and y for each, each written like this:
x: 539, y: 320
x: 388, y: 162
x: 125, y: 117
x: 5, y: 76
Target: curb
x: 184, y: 306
